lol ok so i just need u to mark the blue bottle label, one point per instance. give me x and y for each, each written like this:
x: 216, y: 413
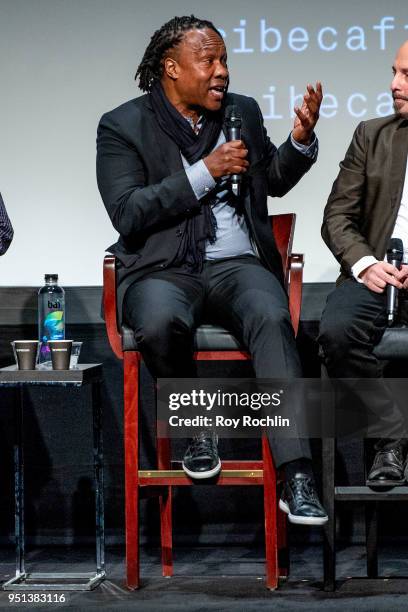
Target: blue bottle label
x: 54, y: 325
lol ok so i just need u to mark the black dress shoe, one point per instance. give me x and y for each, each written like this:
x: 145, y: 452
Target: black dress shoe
x: 299, y: 500
x: 201, y: 458
x: 387, y: 469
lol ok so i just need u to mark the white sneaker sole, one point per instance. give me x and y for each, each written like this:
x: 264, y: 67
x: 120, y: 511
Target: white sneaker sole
x: 202, y: 475
x: 302, y: 520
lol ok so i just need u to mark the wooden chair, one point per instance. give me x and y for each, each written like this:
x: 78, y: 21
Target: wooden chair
x: 212, y: 343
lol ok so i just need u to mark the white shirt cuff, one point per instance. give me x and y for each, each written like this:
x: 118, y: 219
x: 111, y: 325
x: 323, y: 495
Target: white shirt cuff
x: 362, y: 264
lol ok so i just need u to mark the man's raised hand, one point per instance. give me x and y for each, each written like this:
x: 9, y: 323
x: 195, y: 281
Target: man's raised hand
x: 307, y: 116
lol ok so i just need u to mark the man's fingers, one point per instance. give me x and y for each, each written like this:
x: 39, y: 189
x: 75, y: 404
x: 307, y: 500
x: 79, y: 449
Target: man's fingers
x: 311, y: 104
x: 304, y: 120
x: 388, y: 279
x: 242, y: 163
x: 236, y: 144
x: 228, y: 158
x: 311, y: 94
x: 241, y: 153
x: 237, y: 169
x: 373, y: 282
x: 311, y: 100
x: 237, y: 159
x: 389, y: 273
x: 381, y: 274
x: 233, y: 151
x: 391, y: 278
x: 300, y: 113
x: 315, y: 94
x: 375, y: 288
x: 382, y: 278
x: 402, y: 273
x: 389, y: 268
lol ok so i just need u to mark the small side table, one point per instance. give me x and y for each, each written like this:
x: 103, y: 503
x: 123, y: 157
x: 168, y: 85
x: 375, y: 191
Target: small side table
x: 19, y: 379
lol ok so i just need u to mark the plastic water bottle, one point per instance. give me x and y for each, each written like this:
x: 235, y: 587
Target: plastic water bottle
x: 51, y: 316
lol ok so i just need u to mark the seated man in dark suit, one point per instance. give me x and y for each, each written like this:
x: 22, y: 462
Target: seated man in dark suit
x: 367, y: 206
x: 6, y: 229
x: 188, y: 247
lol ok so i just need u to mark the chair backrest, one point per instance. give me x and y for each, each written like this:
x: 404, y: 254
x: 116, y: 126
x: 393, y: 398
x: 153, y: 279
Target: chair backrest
x: 283, y: 227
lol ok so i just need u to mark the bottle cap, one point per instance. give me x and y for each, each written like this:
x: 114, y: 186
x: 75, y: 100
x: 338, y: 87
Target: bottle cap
x: 51, y: 277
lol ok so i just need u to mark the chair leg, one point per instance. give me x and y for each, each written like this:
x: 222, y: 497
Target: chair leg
x: 371, y: 517
x: 270, y: 507
x: 165, y: 501
x: 283, y: 546
x: 329, y: 529
x: 131, y: 427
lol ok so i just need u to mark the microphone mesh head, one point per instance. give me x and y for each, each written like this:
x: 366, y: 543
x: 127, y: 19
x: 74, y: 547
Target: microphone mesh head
x: 229, y: 110
x: 395, y: 251
x: 232, y: 116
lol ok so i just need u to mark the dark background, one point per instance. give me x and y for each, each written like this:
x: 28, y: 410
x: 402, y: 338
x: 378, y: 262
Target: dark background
x: 58, y: 445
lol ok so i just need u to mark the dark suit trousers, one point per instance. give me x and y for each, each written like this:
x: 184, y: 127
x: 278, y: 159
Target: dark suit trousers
x: 352, y: 324
x: 164, y: 308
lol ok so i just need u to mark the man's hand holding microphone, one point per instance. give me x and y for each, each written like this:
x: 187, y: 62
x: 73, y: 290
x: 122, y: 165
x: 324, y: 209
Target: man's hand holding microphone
x: 391, y: 275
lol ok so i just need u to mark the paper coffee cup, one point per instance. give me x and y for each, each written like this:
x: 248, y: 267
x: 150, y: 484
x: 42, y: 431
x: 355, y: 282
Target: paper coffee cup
x: 26, y: 352
x: 60, y: 353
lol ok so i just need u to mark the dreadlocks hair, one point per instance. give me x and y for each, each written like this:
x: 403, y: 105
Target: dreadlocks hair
x: 168, y: 36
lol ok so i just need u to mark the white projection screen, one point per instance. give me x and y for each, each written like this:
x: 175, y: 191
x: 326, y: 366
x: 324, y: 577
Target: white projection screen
x: 65, y: 62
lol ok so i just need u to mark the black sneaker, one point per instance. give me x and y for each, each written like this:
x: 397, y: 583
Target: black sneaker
x: 299, y: 500
x: 201, y: 457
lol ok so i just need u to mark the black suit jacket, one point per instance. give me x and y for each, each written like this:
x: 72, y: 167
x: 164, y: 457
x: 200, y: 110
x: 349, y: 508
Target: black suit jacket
x: 148, y: 197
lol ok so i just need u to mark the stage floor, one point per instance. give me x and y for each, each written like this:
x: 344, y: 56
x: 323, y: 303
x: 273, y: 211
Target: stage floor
x: 222, y: 578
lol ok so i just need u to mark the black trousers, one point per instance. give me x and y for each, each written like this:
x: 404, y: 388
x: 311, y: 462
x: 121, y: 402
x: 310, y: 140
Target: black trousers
x: 352, y: 324
x: 165, y: 307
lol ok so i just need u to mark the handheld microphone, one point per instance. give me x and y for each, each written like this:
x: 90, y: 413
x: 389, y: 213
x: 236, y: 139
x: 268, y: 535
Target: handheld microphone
x: 395, y: 253
x: 233, y: 122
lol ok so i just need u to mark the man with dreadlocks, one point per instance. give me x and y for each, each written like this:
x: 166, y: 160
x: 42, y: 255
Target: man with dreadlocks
x: 188, y: 247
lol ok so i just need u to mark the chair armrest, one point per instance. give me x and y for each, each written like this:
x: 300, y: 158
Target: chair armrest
x: 109, y: 305
x: 296, y: 263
